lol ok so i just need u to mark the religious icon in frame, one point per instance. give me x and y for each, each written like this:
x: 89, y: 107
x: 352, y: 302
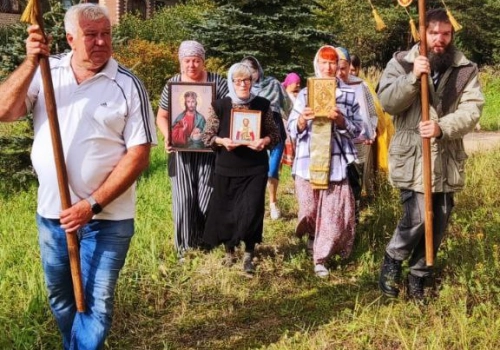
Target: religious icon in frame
x: 245, y: 125
x: 189, y: 105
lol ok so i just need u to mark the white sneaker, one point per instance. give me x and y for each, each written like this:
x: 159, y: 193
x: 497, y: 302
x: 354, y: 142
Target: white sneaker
x: 321, y: 271
x: 275, y: 211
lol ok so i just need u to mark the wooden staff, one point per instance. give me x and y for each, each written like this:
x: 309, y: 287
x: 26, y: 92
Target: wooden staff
x: 33, y: 15
x: 426, y: 142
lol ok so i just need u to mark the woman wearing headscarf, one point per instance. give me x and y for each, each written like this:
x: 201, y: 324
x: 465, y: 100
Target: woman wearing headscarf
x: 363, y: 143
x: 271, y: 89
x: 190, y: 172
x: 291, y: 84
x: 236, y: 210
x: 326, y: 202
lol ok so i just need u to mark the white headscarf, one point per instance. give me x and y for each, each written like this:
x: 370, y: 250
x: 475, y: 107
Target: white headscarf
x: 230, y: 84
x: 317, y: 73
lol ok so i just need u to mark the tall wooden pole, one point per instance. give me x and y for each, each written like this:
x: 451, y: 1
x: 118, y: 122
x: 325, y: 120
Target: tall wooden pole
x: 426, y: 142
x: 62, y: 175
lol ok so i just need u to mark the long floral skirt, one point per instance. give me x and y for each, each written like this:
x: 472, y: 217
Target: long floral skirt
x: 328, y: 215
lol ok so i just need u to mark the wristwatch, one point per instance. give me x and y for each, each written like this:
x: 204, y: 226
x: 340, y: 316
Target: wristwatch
x: 96, y: 207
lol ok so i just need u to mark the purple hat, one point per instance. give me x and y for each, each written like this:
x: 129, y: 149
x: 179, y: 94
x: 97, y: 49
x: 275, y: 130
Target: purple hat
x: 290, y: 79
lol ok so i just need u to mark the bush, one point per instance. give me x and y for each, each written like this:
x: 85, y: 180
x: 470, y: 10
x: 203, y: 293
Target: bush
x: 171, y: 24
x: 12, y: 39
x: 152, y: 63
x: 490, y: 83
x: 16, y: 172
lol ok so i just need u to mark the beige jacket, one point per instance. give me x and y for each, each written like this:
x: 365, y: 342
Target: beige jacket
x: 399, y: 92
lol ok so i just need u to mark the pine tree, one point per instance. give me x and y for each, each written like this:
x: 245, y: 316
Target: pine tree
x: 281, y: 34
x: 13, y: 38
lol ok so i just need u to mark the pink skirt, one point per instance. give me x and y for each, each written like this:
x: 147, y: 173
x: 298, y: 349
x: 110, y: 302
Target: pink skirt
x: 328, y: 215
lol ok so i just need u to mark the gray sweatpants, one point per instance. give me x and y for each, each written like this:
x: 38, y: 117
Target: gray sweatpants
x: 408, y: 240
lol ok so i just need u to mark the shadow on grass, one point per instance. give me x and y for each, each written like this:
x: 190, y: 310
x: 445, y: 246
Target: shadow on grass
x: 284, y: 298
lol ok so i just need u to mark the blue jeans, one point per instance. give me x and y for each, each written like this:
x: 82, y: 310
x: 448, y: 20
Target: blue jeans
x: 103, y: 248
x: 275, y: 160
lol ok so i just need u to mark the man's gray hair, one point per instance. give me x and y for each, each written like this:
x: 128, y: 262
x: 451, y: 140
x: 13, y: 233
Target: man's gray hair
x: 83, y: 11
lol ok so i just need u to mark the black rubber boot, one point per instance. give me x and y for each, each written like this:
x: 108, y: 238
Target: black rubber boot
x: 416, y: 287
x: 390, y: 277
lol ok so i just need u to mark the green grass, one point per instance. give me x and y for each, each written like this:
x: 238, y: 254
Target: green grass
x: 490, y: 82
x: 202, y: 305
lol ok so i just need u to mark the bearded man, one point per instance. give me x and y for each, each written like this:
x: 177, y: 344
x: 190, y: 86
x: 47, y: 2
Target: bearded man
x: 456, y: 103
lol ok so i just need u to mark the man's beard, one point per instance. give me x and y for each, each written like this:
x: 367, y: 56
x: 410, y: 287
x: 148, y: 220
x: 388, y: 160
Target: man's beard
x: 440, y: 62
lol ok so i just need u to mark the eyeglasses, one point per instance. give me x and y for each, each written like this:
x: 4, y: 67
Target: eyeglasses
x: 244, y: 81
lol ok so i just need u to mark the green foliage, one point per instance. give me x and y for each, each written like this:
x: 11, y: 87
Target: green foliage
x: 12, y: 39
x: 152, y: 63
x: 282, y: 34
x: 169, y: 25
x: 480, y: 38
x: 353, y: 24
x: 490, y: 83
x: 16, y: 172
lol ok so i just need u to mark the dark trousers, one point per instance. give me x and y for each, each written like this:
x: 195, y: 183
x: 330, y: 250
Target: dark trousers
x: 408, y: 240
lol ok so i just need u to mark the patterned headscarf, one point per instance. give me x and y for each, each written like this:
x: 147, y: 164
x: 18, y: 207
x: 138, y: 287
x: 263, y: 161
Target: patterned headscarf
x: 190, y: 48
x: 267, y: 87
x: 230, y: 84
x: 343, y: 54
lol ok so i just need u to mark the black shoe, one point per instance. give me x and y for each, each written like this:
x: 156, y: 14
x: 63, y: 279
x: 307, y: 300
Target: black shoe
x: 390, y: 277
x: 248, y: 265
x: 416, y: 287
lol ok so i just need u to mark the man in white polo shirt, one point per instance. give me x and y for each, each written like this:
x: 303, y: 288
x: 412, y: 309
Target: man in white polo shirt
x: 107, y: 130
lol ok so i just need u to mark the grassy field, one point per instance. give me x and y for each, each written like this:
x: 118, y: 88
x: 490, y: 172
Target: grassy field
x: 490, y: 82
x: 203, y: 305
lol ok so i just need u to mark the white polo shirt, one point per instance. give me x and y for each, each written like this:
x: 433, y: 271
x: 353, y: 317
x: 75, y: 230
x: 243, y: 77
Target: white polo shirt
x: 99, y: 120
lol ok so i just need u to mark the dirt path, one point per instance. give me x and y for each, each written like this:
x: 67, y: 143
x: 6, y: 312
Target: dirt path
x: 479, y: 141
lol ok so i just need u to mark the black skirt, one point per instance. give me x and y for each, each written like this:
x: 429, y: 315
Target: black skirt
x: 236, y: 211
